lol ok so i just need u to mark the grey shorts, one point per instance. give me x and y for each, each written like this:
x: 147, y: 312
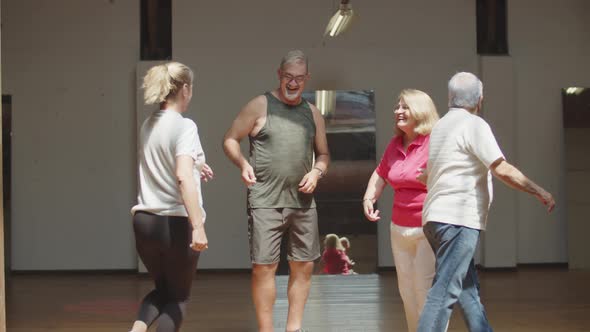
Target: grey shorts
x: 267, y: 226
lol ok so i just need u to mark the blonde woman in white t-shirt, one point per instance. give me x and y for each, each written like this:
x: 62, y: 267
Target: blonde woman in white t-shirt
x: 169, y: 219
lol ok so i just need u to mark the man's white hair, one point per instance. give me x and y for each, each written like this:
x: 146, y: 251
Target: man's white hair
x: 294, y: 56
x: 465, y: 90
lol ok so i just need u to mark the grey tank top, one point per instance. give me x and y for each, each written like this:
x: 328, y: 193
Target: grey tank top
x: 281, y: 154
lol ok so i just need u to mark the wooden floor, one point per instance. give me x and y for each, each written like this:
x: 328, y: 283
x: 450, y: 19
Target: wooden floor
x: 530, y: 299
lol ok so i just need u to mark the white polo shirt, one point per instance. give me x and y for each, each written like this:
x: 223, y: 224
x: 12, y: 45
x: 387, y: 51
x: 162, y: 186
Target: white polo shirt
x: 164, y: 136
x: 462, y: 148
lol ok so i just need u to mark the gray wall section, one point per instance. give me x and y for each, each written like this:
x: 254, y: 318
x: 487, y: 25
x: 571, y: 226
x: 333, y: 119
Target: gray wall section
x: 499, y: 241
x: 550, y: 47
x: 71, y: 68
x: 578, y: 201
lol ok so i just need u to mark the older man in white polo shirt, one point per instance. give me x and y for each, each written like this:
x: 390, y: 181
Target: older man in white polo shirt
x: 463, y: 151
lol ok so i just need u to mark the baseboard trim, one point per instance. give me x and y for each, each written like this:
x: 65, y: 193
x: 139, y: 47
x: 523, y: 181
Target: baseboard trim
x: 249, y: 270
x: 117, y: 272
x: 74, y: 272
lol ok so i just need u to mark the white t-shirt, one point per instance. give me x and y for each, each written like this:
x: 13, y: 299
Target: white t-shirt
x: 462, y: 148
x: 164, y: 136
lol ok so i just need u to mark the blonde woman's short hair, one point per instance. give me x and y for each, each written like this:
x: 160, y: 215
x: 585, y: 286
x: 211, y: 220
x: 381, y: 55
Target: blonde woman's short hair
x: 332, y: 241
x: 164, y: 81
x: 422, y: 109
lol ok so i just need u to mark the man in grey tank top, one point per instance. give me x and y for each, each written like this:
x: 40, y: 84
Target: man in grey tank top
x: 284, y: 132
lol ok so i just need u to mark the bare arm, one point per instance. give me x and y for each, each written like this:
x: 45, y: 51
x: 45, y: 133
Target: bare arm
x: 190, y: 197
x: 423, y: 176
x: 372, y: 194
x: 322, y: 154
x: 244, y: 124
x: 349, y: 261
x: 514, y: 178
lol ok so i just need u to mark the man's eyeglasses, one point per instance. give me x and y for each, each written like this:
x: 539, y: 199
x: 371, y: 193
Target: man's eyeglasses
x: 299, y: 79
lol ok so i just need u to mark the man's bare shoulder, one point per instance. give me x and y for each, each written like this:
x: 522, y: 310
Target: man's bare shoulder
x: 256, y: 106
x: 314, y: 109
x: 317, y: 114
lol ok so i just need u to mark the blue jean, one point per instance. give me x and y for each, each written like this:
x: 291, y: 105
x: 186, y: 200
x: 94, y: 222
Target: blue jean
x: 455, y: 279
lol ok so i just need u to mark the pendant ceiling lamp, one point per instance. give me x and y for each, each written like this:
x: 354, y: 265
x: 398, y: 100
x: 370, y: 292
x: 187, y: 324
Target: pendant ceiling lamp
x: 341, y: 20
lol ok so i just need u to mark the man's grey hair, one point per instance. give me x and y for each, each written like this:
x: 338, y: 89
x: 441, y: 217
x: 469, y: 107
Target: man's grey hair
x: 295, y: 56
x: 465, y: 90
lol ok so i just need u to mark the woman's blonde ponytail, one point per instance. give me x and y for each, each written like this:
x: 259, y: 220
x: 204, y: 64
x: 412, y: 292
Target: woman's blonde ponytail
x: 164, y: 81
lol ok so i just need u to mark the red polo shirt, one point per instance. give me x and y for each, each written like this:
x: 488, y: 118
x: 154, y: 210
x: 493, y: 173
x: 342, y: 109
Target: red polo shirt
x: 400, y: 169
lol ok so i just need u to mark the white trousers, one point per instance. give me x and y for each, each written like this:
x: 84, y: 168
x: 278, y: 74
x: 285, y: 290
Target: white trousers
x: 414, y: 263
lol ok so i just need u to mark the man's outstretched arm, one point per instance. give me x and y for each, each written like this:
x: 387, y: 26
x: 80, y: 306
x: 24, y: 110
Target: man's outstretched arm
x: 514, y: 178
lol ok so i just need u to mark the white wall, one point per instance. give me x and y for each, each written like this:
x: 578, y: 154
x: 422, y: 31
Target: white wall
x: 69, y: 66
x: 550, y: 46
x: 499, y: 242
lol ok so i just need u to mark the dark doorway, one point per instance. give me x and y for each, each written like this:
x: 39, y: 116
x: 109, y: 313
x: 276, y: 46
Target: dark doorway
x: 492, y: 31
x: 576, y: 133
x: 156, y: 30
x: 6, y: 175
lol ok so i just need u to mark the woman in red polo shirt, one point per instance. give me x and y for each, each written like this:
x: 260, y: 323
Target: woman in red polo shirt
x: 403, y: 160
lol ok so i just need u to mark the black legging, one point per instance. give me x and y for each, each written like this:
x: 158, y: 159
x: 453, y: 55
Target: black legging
x: 162, y: 243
